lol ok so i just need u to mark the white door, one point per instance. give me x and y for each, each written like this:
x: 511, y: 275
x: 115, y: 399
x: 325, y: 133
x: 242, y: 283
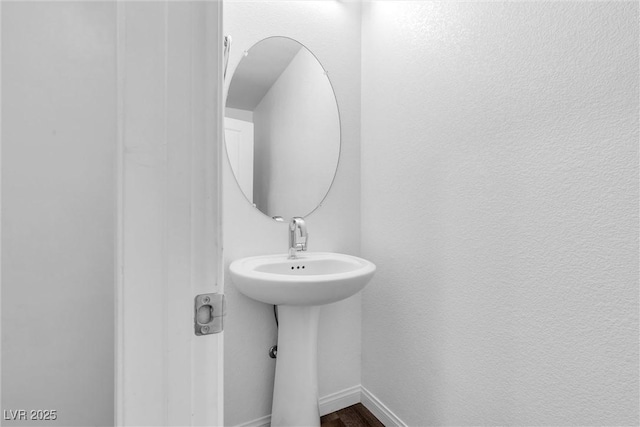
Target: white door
x: 169, y: 250
x: 238, y: 136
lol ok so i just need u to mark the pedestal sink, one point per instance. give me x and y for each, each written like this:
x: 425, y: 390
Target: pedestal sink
x: 299, y: 287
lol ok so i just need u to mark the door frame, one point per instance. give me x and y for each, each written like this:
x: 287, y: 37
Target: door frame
x: 169, y: 227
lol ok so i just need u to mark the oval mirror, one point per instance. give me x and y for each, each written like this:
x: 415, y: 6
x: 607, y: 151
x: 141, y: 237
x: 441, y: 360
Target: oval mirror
x: 282, y: 128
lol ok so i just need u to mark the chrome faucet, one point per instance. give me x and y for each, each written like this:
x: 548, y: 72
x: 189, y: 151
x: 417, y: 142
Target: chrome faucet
x: 297, y: 243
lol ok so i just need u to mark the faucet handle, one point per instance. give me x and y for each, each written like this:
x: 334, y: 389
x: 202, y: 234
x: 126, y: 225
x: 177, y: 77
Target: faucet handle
x: 300, y: 240
x: 304, y: 238
x: 298, y: 222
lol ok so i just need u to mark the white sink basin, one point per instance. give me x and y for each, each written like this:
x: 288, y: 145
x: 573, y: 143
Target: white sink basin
x: 311, y: 279
x: 299, y: 287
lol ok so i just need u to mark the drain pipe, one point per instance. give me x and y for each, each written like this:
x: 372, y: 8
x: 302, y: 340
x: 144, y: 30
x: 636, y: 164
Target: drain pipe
x: 273, y: 351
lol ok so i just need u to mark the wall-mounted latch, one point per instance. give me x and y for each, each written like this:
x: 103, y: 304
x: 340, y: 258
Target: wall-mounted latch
x: 208, y: 315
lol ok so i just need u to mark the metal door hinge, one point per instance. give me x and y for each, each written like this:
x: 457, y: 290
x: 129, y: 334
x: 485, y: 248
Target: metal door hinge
x: 208, y: 314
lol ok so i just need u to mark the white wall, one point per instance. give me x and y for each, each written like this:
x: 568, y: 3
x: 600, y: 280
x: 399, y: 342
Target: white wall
x: 296, y: 119
x: 500, y: 203
x: 235, y: 113
x: 331, y: 30
x: 58, y: 207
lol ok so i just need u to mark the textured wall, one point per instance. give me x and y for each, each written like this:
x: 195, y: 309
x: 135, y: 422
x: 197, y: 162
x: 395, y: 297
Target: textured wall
x: 58, y: 209
x: 500, y: 203
x: 331, y: 30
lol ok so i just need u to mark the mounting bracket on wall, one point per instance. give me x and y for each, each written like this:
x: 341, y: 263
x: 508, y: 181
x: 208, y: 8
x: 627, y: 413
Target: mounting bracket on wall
x: 208, y: 313
x: 227, y: 50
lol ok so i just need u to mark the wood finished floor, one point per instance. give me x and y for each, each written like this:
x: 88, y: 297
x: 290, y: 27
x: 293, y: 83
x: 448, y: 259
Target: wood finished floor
x: 352, y: 416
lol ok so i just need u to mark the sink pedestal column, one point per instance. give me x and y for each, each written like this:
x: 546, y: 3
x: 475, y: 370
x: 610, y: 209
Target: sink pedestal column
x: 295, y: 391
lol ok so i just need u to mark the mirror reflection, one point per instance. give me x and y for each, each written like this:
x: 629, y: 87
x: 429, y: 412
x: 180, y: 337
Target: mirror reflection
x: 282, y: 128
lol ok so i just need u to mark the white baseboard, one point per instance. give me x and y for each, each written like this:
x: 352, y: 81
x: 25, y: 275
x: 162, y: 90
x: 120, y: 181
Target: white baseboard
x: 380, y: 410
x: 258, y: 422
x: 338, y: 400
x: 341, y: 399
